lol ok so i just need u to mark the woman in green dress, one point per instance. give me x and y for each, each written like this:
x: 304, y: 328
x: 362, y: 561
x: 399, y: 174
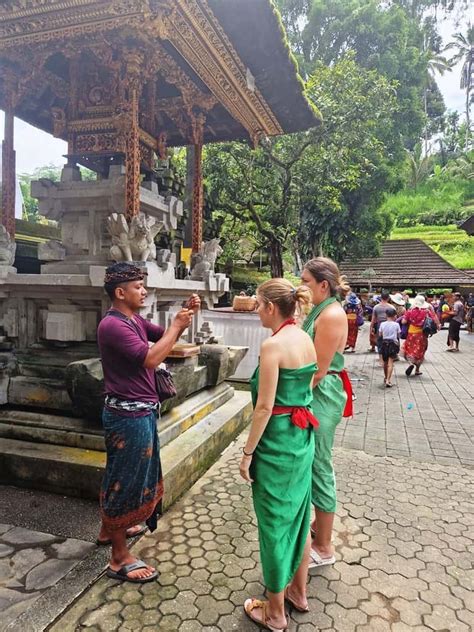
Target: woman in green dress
x: 279, y: 451
x: 332, y: 394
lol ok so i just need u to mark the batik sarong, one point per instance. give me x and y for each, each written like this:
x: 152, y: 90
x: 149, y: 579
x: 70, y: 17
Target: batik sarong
x: 352, y: 330
x: 132, y: 487
x: 416, y: 345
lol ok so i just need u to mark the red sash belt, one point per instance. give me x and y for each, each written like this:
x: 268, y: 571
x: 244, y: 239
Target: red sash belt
x: 346, y: 383
x: 300, y: 416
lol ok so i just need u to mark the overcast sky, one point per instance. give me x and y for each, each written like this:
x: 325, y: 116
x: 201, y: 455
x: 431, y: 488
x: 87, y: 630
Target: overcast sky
x: 35, y: 148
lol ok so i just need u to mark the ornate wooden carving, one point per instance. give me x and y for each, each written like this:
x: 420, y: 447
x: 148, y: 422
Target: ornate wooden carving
x: 192, y: 29
x: 30, y: 30
x: 131, y: 88
x: 198, y: 122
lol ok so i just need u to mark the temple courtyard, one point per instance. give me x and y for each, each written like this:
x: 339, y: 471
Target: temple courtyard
x: 404, y: 529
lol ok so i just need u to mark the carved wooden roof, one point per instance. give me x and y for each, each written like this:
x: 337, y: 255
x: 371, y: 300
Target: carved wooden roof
x: 224, y: 59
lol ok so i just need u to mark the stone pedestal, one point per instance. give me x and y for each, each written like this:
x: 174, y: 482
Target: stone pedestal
x: 82, y: 208
x: 54, y: 315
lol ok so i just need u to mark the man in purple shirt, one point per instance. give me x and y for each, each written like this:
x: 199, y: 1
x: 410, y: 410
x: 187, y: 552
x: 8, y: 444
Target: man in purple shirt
x: 132, y: 488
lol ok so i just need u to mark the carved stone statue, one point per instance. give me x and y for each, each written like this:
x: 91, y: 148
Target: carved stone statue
x: 134, y: 241
x: 205, y: 260
x: 7, y: 248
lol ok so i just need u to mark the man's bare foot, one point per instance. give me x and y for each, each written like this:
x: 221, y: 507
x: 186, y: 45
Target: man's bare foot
x: 104, y: 535
x: 141, y: 573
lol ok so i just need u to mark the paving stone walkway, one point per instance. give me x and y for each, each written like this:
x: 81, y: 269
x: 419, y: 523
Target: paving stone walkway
x: 404, y: 541
x: 428, y: 418
x: 404, y: 529
x: 30, y: 563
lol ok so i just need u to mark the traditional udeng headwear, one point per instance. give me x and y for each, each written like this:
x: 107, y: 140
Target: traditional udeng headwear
x: 123, y: 273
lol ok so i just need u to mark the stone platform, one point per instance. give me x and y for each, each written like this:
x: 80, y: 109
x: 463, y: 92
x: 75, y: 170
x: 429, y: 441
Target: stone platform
x: 66, y: 455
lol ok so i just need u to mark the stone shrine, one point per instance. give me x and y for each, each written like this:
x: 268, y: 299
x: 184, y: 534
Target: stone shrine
x: 120, y: 81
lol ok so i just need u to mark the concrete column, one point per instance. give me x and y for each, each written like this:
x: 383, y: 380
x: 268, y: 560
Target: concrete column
x: 8, y: 174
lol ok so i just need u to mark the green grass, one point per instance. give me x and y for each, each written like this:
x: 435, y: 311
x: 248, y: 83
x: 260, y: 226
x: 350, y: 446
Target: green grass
x: 449, y: 241
x: 436, y: 201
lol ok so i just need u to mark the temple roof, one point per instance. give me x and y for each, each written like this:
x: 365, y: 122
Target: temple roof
x: 226, y: 58
x: 258, y: 35
x: 406, y: 263
x: 468, y: 225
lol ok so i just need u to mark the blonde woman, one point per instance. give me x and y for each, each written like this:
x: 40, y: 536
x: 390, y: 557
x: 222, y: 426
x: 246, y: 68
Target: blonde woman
x: 332, y: 394
x: 279, y: 451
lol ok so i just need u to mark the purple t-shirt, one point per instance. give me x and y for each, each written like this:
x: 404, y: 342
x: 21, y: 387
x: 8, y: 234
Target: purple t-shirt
x: 123, y: 348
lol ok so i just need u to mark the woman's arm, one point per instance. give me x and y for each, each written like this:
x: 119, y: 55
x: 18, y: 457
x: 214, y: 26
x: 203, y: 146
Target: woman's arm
x: 327, y: 338
x: 267, y: 386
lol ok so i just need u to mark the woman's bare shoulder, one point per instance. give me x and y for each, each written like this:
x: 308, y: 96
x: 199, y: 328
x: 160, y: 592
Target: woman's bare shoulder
x: 332, y: 312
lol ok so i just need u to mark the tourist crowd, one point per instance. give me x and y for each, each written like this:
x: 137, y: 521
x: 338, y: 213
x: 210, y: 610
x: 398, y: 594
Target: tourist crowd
x: 300, y: 392
x: 403, y: 324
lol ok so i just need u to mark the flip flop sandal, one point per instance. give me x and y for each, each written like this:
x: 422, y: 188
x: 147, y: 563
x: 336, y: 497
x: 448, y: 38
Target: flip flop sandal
x: 293, y: 604
x: 250, y: 605
x: 126, y: 569
x: 317, y: 561
x: 418, y: 373
x: 129, y: 536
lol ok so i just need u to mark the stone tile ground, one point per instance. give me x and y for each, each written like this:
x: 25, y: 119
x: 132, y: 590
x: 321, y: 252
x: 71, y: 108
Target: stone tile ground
x: 404, y: 541
x: 429, y: 418
x: 404, y: 529
x: 30, y: 563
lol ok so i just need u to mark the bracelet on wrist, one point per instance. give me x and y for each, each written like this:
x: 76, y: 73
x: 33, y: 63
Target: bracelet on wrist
x: 247, y: 453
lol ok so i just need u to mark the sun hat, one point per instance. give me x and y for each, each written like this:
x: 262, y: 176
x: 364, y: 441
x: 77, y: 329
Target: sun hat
x: 419, y: 301
x: 397, y: 299
x: 352, y: 299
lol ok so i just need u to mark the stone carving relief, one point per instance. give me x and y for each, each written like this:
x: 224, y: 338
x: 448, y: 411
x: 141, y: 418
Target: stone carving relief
x: 52, y: 250
x: 204, y: 261
x: 7, y: 248
x: 134, y: 241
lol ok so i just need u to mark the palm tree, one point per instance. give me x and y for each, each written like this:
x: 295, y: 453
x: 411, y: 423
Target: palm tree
x: 464, y: 45
x: 436, y: 64
x: 419, y: 165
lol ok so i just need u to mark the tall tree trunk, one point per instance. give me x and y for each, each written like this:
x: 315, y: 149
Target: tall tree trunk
x: 425, y: 99
x: 468, y: 108
x: 298, y: 262
x: 276, y: 259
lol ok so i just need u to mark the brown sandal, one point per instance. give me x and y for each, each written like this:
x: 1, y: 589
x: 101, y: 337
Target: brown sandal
x: 293, y: 604
x: 250, y: 605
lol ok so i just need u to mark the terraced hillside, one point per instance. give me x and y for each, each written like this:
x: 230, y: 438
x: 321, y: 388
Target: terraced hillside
x: 449, y: 241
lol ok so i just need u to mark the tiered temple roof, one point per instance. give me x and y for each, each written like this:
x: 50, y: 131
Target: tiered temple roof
x: 228, y: 59
x: 120, y: 80
x: 406, y: 263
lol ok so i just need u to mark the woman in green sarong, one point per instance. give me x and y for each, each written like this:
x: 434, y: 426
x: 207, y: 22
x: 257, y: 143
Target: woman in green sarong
x: 332, y: 394
x: 279, y: 451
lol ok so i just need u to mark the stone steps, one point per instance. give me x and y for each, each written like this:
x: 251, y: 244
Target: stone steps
x: 78, y: 471
x: 39, y: 393
x: 45, y: 362
x: 80, y: 433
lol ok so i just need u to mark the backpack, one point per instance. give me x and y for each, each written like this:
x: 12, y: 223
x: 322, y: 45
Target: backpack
x: 429, y: 327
